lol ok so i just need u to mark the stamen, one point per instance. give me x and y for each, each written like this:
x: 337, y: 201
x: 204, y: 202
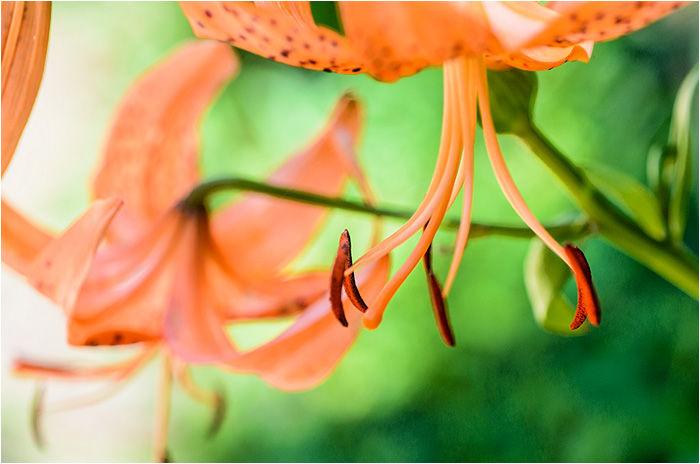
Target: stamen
x: 349, y: 284
x: 432, y: 197
x: 437, y: 300
x: 374, y: 314
x: 467, y: 107
x: 338, y: 278
x: 588, y: 304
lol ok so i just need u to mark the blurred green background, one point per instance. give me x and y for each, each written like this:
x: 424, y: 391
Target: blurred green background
x: 626, y: 391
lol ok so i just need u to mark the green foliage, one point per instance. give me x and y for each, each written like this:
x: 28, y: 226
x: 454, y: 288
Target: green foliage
x: 631, y: 195
x: 681, y: 167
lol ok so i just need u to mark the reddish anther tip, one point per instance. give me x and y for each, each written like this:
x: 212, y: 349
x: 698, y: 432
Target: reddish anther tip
x: 438, y: 302
x: 588, y: 305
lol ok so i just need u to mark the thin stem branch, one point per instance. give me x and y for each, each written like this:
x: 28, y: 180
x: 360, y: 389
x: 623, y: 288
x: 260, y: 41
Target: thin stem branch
x: 199, y: 194
x: 676, y: 264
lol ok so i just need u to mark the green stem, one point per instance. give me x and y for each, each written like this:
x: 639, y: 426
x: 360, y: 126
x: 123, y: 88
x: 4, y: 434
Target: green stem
x: 677, y: 265
x: 198, y: 195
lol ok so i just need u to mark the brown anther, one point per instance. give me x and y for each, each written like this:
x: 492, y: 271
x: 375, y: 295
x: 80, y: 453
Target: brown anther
x: 349, y: 284
x: 438, y: 302
x: 588, y: 305
x: 337, y: 278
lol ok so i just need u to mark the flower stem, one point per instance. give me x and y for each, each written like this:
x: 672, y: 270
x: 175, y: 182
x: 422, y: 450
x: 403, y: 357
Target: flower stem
x: 676, y: 264
x: 199, y: 194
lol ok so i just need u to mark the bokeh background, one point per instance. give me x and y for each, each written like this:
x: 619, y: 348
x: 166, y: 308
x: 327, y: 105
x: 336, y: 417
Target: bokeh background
x: 626, y: 391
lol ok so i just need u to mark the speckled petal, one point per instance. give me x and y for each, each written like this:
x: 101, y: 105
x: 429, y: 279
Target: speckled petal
x: 600, y: 21
x: 277, y: 31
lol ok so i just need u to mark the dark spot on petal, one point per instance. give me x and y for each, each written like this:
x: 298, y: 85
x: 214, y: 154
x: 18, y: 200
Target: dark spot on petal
x: 357, y: 69
x: 334, y: 43
x: 284, y: 53
x: 273, y: 22
x: 250, y: 30
x: 272, y: 57
x: 312, y: 61
x: 289, y: 38
x: 322, y: 38
x: 266, y: 39
x: 306, y: 45
x: 200, y: 24
x: 327, y: 70
x: 241, y: 36
x: 208, y: 13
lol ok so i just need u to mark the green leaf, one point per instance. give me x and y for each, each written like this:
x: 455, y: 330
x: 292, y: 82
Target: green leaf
x: 632, y: 196
x: 545, y: 277
x: 682, y: 173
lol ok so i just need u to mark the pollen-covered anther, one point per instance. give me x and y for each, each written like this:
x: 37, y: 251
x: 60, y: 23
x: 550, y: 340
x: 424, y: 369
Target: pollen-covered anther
x: 438, y: 301
x: 588, y: 305
x: 339, y: 280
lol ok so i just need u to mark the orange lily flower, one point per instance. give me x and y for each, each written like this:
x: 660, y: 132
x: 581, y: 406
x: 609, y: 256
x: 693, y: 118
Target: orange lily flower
x: 390, y: 40
x: 146, y: 264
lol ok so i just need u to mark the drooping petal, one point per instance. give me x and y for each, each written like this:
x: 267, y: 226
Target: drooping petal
x: 25, y: 35
x: 60, y: 268
x: 541, y: 58
x: 514, y: 24
x: 126, y: 292
x: 599, y: 21
x: 307, y: 352
x: 21, y: 239
x: 193, y: 328
x: 277, y: 31
x: 259, y: 235
x: 150, y: 154
x: 397, y: 39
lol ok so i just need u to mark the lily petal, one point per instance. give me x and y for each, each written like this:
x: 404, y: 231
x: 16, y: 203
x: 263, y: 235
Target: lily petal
x: 277, y: 31
x: 60, y: 268
x: 21, y: 240
x: 541, y: 58
x: 600, y: 21
x: 25, y: 36
x: 307, y: 352
x: 259, y: 236
x: 193, y: 328
x: 398, y: 39
x: 126, y: 292
x: 150, y: 155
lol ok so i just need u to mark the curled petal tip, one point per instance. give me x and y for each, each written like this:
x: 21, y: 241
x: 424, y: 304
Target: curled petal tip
x: 588, y: 305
